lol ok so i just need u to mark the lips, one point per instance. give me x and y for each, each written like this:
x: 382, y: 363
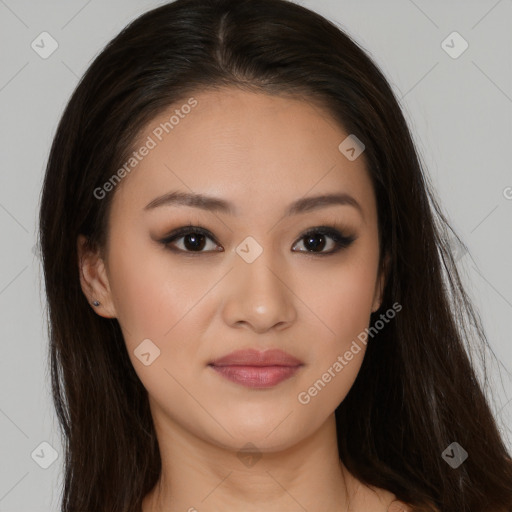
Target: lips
x: 252, y: 357
x: 254, y: 369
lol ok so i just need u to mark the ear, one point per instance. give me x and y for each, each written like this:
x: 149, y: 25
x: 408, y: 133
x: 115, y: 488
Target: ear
x: 93, y: 278
x: 381, y: 284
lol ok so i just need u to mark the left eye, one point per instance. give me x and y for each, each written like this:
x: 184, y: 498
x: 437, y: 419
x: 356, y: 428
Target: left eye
x: 195, y: 240
x: 316, y: 238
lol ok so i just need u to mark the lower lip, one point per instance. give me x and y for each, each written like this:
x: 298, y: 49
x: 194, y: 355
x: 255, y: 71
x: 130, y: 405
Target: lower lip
x: 256, y: 376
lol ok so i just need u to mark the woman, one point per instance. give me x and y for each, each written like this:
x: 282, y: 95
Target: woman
x: 252, y: 303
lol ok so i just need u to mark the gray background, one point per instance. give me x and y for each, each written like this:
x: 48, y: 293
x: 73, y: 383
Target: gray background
x: 460, y: 111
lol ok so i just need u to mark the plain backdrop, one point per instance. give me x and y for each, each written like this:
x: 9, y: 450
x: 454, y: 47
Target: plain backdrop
x: 459, y: 108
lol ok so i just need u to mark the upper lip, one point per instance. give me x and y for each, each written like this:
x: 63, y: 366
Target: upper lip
x: 253, y: 357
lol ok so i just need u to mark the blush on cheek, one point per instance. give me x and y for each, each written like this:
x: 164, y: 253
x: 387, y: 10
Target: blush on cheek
x: 140, y: 299
x: 347, y: 311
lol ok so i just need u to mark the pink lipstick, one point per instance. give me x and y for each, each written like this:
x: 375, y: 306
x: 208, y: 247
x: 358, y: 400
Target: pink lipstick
x: 255, y: 369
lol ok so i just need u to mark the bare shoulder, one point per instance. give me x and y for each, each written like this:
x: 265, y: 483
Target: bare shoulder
x: 398, y: 506
x: 391, y: 503
x: 376, y: 499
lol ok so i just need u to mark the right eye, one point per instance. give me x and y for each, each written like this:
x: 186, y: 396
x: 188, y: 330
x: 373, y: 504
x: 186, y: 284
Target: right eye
x: 194, y: 240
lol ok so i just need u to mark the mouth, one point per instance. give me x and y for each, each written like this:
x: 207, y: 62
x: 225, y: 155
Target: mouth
x: 256, y: 369
x: 256, y: 376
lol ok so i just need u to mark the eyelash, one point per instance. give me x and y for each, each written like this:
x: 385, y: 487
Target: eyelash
x: 341, y: 241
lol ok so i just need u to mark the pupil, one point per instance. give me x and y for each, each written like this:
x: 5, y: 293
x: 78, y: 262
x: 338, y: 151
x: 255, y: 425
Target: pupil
x: 311, y: 241
x: 197, y: 241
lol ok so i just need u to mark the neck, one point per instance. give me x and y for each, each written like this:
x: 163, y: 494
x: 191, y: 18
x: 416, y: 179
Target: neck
x: 201, y: 476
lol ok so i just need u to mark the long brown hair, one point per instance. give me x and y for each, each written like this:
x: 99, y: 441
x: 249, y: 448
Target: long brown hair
x: 417, y: 390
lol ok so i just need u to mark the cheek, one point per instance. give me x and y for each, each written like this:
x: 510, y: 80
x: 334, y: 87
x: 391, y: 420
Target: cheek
x: 348, y: 309
x: 342, y: 297
x: 344, y: 306
x: 150, y: 295
x: 159, y: 302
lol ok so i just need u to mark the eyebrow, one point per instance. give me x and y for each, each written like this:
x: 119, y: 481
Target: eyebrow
x: 302, y: 205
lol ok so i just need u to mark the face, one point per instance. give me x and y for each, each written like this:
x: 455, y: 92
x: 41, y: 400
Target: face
x: 249, y: 275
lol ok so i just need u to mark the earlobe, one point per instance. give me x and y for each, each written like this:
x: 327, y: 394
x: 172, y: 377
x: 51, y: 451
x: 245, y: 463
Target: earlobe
x: 94, y: 279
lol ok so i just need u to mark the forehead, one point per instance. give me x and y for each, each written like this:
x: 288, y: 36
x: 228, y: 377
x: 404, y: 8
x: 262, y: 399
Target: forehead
x: 254, y: 150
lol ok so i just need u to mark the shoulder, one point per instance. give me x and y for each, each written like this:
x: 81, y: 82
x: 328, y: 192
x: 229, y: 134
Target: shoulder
x: 380, y: 499
x: 398, y: 506
x: 391, y: 503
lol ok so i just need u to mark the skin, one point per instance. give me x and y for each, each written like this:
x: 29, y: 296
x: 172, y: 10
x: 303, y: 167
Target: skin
x: 260, y: 153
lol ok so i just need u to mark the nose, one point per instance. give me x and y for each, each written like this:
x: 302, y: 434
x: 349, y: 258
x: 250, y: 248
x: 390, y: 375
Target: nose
x: 259, y: 296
